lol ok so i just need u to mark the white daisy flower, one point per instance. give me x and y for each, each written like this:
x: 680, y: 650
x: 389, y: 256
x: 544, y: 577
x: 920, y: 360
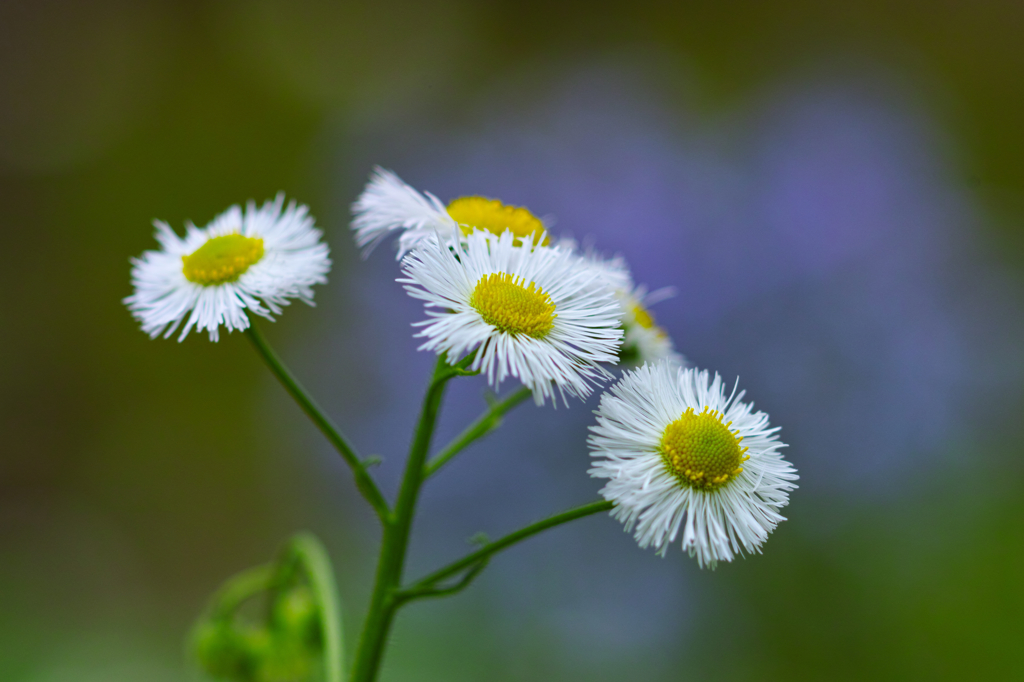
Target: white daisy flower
x: 680, y: 454
x: 644, y: 340
x: 253, y: 260
x: 388, y: 205
x: 528, y: 311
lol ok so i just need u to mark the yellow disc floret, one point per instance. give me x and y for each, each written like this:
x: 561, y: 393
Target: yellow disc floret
x: 643, y: 316
x: 701, y: 451
x: 481, y: 213
x: 222, y: 259
x: 510, y: 306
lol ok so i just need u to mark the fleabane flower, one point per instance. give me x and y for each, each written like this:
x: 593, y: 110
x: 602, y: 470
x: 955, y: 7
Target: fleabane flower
x: 254, y: 260
x: 389, y: 205
x: 644, y: 340
x: 528, y: 311
x: 681, y: 455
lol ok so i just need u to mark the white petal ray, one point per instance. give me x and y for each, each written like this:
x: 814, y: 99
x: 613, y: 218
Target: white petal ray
x: 388, y: 204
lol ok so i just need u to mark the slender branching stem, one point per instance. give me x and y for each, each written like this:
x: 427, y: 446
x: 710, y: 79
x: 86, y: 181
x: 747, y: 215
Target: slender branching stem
x: 471, y: 561
x: 485, y: 423
x: 388, y: 595
x: 459, y: 585
x: 364, y: 482
x: 308, y: 552
x: 384, y: 602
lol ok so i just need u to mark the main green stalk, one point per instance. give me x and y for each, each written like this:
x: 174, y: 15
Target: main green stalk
x: 395, y: 541
x: 388, y: 594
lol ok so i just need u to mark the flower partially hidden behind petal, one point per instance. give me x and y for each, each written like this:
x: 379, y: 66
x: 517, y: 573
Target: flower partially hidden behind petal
x: 644, y: 341
x: 254, y: 260
x: 681, y: 455
x: 388, y: 204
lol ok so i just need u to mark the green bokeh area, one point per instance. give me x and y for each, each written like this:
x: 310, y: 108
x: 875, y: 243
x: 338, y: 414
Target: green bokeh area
x: 136, y: 475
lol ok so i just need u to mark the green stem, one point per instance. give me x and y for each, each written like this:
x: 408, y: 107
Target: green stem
x: 485, y: 423
x: 394, y: 544
x: 431, y: 591
x: 311, y: 554
x: 426, y: 586
x: 364, y: 482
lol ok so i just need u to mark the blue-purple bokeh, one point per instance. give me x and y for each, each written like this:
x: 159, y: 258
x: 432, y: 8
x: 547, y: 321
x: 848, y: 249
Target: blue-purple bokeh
x: 822, y: 252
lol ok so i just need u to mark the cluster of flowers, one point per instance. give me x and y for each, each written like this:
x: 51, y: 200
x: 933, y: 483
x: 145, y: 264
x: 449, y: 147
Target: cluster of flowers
x: 680, y: 452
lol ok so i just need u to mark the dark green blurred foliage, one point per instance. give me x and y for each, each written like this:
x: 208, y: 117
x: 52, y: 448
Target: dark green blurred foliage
x: 272, y: 623
x: 287, y: 647
x: 279, y: 651
x: 135, y: 474
x: 925, y: 588
x: 295, y: 612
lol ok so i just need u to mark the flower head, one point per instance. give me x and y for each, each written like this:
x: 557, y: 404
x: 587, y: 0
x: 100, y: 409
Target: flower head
x: 680, y: 454
x: 528, y: 311
x: 644, y: 340
x: 388, y: 205
x: 254, y: 260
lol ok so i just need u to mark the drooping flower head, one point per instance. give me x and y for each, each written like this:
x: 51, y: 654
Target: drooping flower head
x: 254, y: 260
x: 679, y: 454
x: 644, y: 340
x: 528, y: 311
x: 389, y: 205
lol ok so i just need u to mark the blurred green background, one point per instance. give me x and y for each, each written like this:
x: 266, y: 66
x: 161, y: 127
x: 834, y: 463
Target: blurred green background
x: 136, y: 475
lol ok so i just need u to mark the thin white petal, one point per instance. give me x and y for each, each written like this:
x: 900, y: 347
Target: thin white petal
x: 388, y: 204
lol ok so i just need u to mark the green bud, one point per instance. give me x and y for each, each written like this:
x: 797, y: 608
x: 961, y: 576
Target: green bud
x: 221, y: 652
x: 296, y: 615
x: 257, y: 642
x: 287, y: 661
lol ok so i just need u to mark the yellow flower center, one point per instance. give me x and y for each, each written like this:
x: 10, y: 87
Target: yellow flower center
x: 222, y: 259
x: 509, y: 306
x: 643, y: 316
x: 701, y: 451
x: 481, y: 213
